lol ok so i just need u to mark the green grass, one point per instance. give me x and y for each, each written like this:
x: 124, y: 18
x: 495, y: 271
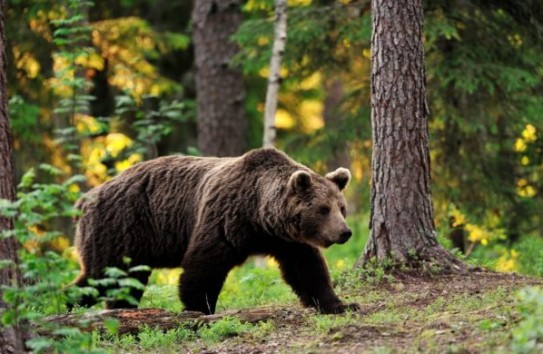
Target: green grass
x: 323, y: 323
x: 485, y: 321
x: 153, y: 340
x: 147, y: 340
x: 164, y: 296
x: 250, y: 286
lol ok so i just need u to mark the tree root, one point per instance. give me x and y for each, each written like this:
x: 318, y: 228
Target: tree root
x: 429, y: 261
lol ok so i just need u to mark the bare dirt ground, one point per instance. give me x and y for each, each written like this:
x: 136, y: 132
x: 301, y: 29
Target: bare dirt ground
x: 471, y: 313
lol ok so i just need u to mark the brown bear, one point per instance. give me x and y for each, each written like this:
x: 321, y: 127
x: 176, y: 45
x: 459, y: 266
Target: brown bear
x: 208, y: 215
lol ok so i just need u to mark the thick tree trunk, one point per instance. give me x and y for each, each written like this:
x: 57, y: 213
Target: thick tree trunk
x: 220, y: 91
x: 402, y: 225
x: 11, y: 338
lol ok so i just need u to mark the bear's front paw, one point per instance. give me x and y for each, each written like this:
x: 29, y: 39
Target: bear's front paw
x: 340, y: 308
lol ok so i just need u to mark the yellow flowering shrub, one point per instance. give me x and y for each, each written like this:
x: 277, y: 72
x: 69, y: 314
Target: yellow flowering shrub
x: 489, y: 230
x: 94, y: 151
x: 529, y: 133
x: 525, y: 189
x: 168, y: 276
x: 508, y: 261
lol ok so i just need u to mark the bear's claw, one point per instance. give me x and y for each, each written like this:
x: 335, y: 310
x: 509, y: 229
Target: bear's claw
x: 340, y: 308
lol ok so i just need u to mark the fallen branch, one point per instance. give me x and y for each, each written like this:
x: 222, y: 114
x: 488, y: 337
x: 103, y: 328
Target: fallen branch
x: 131, y: 320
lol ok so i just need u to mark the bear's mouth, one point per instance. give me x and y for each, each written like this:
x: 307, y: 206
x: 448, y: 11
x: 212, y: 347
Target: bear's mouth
x: 342, y: 240
x: 339, y: 241
x: 327, y: 244
x: 318, y: 242
x: 323, y: 242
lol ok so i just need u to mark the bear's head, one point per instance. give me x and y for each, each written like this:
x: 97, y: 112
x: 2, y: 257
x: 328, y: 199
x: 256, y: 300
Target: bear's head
x: 318, y: 208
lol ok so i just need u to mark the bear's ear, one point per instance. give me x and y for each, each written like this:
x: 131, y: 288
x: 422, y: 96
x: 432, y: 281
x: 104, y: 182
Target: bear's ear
x: 340, y: 177
x: 299, y: 181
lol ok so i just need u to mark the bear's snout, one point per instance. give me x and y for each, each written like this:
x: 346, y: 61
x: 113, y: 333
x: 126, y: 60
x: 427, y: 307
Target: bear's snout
x: 345, y: 236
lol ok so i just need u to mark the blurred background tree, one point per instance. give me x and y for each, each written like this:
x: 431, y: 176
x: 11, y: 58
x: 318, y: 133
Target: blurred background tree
x: 136, y: 70
x: 220, y: 90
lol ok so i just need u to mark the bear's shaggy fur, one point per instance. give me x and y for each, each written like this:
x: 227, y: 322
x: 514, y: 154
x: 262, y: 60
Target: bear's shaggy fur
x: 207, y: 215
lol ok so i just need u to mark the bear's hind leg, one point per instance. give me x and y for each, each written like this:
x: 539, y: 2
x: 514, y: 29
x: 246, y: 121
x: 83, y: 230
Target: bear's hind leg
x: 199, y: 289
x: 204, y: 272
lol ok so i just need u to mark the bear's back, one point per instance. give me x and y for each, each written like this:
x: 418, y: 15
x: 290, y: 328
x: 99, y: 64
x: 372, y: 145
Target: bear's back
x: 153, y: 202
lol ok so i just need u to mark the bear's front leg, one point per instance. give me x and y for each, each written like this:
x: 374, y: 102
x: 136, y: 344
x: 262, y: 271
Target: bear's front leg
x: 205, y: 268
x: 304, y: 269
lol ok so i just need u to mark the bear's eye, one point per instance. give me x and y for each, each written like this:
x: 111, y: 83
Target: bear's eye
x: 343, y: 211
x: 324, y: 210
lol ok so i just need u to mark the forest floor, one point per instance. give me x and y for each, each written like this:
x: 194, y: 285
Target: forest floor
x: 472, y: 313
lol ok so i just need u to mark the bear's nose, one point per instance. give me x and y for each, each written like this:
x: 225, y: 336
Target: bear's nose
x: 345, y: 235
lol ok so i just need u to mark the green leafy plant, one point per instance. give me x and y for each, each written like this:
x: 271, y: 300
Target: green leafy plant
x: 45, y: 272
x: 35, y: 212
x: 154, y: 119
x: 528, y: 335
x: 72, y: 37
x: 119, y: 283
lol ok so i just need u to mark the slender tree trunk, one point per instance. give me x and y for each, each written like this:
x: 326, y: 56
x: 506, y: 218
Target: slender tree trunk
x: 274, y: 81
x: 11, y: 338
x: 278, y: 49
x: 220, y: 91
x: 402, y: 218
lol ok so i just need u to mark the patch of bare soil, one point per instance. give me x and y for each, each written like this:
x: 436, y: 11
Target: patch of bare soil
x: 442, y: 313
x: 448, y: 285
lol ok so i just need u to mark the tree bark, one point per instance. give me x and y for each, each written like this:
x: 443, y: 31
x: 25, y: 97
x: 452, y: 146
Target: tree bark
x: 278, y: 49
x: 402, y: 218
x: 12, y: 338
x: 220, y: 91
x: 132, y: 320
